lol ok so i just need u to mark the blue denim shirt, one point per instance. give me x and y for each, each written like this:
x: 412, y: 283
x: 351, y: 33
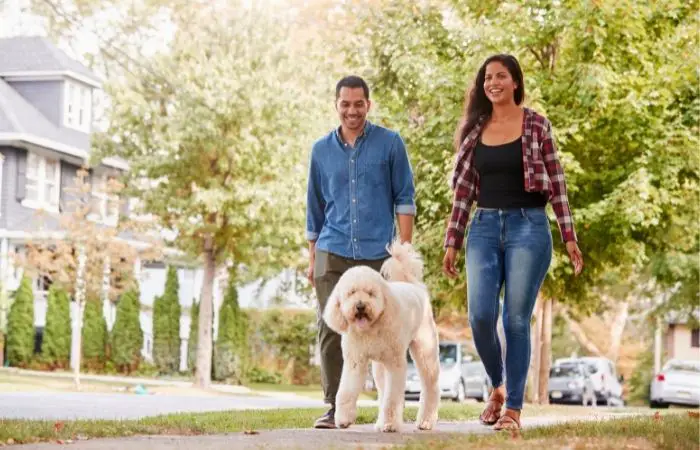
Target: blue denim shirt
x: 353, y: 194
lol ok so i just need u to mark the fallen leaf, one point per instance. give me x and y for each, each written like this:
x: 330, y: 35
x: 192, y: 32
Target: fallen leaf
x: 250, y: 432
x: 60, y: 441
x: 10, y: 441
x: 657, y: 416
x: 694, y: 414
x: 58, y: 426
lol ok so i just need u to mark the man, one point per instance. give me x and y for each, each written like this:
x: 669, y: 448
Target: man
x: 359, y: 177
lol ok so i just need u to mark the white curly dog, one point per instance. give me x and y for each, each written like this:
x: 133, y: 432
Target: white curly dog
x: 380, y: 316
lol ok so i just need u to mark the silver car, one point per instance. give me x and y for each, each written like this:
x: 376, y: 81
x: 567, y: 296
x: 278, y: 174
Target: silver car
x: 571, y: 383
x: 462, y: 375
x: 607, y: 384
x: 678, y: 383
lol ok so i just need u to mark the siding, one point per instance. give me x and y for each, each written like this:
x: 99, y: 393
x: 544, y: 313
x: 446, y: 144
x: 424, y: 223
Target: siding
x: 46, y: 96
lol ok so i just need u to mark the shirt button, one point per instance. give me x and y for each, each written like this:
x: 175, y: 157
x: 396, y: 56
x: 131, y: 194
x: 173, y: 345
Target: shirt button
x: 353, y: 181
x: 354, y: 220
x: 353, y: 200
x: 355, y: 239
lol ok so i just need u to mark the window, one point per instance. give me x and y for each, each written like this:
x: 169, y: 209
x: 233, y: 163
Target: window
x: 42, y: 185
x: 78, y: 109
x: 695, y: 338
x: 105, y: 204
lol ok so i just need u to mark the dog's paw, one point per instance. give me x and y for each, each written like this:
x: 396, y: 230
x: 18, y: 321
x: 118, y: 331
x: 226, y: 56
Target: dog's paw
x: 344, y: 418
x: 391, y: 427
x: 425, y: 425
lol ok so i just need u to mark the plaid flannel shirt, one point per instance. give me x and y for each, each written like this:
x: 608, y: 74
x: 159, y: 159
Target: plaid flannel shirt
x: 542, y: 173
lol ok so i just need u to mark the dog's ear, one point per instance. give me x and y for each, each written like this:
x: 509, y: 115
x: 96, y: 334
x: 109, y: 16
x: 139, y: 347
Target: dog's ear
x: 332, y: 314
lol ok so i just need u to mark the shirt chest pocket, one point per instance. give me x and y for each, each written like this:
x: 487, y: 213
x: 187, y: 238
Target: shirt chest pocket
x: 374, y: 172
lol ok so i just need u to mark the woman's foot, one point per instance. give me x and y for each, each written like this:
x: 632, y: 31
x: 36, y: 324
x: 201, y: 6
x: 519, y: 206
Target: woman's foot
x: 494, y: 405
x: 509, y: 421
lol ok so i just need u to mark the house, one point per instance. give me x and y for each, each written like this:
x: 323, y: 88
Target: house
x: 682, y: 339
x: 46, y: 115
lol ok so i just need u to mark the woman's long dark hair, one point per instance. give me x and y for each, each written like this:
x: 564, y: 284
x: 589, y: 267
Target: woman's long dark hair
x: 477, y: 106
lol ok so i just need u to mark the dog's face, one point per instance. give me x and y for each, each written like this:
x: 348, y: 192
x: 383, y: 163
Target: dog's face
x: 357, y: 301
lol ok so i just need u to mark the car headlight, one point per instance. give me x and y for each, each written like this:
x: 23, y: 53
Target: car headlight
x: 413, y: 377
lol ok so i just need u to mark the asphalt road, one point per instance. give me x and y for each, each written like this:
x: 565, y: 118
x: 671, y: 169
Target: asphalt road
x: 76, y: 405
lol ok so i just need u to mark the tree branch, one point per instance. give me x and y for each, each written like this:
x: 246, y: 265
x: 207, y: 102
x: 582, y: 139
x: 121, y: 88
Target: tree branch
x: 579, y: 333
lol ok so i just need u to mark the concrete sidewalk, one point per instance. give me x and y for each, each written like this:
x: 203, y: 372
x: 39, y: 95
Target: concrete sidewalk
x: 355, y: 437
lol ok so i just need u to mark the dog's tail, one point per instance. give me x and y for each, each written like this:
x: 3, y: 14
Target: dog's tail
x: 405, y: 264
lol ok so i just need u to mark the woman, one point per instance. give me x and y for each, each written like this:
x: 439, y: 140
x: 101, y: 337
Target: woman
x: 507, y: 163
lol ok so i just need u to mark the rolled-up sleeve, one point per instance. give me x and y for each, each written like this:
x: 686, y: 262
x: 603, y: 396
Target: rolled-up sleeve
x: 403, y: 189
x: 314, y: 202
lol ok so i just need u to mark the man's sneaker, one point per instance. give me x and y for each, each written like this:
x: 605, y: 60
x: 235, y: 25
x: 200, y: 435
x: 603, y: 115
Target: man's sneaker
x: 326, y: 421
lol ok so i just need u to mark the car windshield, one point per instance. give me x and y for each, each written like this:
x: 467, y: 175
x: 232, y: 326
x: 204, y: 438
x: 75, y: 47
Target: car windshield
x: 564, y: 371
x: 685, y: 366
x: 448, y: 354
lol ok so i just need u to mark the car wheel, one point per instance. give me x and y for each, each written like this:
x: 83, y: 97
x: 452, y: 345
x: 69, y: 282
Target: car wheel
x: 659, y: 405
x: 461, y: 392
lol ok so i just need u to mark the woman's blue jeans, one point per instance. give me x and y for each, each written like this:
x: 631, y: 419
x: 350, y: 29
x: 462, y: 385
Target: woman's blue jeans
x: 511, y: 247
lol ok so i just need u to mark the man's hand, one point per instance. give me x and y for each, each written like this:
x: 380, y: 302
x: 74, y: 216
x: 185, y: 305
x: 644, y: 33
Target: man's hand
x: 448, y: 263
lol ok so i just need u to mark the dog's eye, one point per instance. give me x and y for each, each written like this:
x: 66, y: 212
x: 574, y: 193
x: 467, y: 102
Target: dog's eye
x: 370, y: 293
x: 352, y: 292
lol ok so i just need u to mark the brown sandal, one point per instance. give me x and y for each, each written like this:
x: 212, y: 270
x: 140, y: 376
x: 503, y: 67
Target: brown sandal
x: 507, y: 423
x: 493, y: 409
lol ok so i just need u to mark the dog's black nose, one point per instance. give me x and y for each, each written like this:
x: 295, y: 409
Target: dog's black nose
x: 360, y: 307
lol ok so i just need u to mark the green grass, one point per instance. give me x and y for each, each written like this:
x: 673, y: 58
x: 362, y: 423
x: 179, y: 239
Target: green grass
x: 670, y: 431
x: 26, y: 431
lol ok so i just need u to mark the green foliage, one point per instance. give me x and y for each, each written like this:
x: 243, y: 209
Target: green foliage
x: 127, y: 337
x: 166, y: 326
x: 261, y: 375
x: 55, y: 346
x: 192, y: 342
x: 617, y: 79
x: 290, y: 338
x: 20, y: 325
x: 94, y: 335
x: 231, y: 350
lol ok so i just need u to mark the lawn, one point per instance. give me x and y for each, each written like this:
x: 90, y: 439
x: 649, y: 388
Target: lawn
x: 675, y: 431
x: 22, y: 431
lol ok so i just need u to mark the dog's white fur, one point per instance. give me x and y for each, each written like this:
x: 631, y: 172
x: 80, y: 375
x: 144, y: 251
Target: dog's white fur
x: 398, y: 316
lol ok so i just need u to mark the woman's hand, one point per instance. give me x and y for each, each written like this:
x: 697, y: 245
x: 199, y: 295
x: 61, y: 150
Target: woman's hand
x: 448, y: 262
x: 575, y: 256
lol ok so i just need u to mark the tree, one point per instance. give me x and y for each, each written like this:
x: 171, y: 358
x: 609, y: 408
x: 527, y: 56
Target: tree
x: 20, y: 326
x: 291, y: 337
x: 88, y: 258
x: 94, y: 335
x: 166, y: 326
x: 192, y: 341
x: 55, y: 346
x: 206, y: 122
x: 231, y: 352
x: 618, y: 82
x: 127, y: 337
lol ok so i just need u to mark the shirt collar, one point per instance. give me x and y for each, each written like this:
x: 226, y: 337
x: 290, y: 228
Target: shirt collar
x: 365, y: 132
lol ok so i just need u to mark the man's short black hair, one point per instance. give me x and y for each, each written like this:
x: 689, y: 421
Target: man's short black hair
x: 352, y: 81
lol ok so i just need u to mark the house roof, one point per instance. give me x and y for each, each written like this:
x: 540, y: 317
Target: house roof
x: 21, y: 121
x: 27, y: 55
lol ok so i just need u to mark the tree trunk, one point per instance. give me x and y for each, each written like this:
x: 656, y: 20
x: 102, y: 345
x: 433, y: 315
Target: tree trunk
x: 2, y: 348
x: 76, y: 332
x: 657, y: 347
x: 579, y: 334
x: 617, y: 330
x: 202, y: 377
x: 535, y: 345
x: 545, y: 352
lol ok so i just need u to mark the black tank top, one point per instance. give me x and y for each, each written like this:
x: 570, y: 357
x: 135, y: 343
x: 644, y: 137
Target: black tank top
x: 501, y: 177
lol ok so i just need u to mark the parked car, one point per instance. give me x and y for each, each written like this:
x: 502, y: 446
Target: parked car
x: 570, y: 382
x: 462, y: 375
x: 678, y: 383
x: 607, y: 385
